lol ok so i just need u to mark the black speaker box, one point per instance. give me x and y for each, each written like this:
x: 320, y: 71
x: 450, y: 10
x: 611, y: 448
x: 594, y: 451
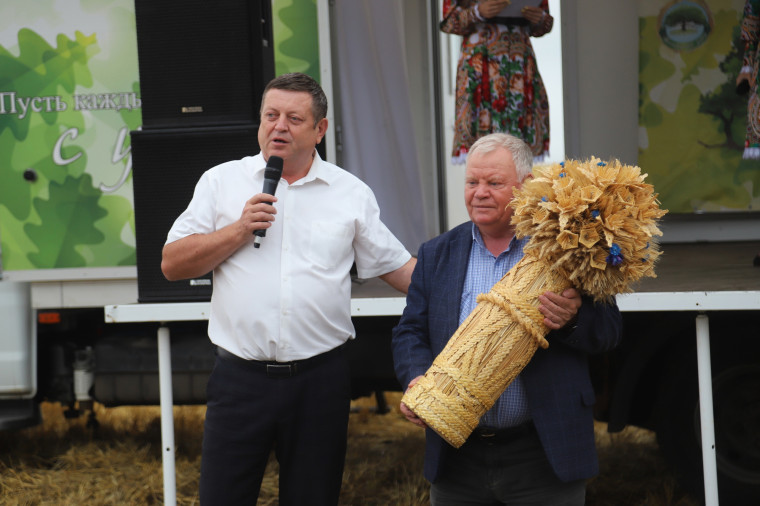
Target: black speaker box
x: 166, y: 165
x: 203, y: 63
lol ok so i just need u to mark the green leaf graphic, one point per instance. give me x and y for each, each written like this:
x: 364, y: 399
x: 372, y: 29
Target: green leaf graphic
x: 68, y: 218
x: 60, y: 219
x: 118, y: 222
x: 296, y: 37
x: 40, y: 70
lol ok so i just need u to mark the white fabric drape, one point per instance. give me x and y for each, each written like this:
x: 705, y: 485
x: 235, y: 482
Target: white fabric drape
x: 378, y: 138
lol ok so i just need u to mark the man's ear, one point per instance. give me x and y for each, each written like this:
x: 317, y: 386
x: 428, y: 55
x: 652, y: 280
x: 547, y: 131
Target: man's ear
x: 321, y: 129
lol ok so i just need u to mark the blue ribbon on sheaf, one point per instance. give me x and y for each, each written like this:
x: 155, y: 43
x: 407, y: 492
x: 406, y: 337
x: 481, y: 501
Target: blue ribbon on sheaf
x: 646, y: 257
x: 601, y: 164
x: 614, y: 258
x: 561, y: 164
x: 562, y: 174
x: 544, y: 199
x: 595, y: 213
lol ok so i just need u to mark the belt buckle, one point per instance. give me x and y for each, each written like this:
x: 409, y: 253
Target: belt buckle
x: 281, y: 370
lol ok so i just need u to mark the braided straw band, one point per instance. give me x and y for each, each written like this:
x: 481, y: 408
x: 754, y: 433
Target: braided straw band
x: 488, y: 351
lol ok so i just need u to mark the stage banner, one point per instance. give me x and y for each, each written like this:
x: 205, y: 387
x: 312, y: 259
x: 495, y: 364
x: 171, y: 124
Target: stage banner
x: 296, y: 37
x: 68, y: 98
x: 692, y: 117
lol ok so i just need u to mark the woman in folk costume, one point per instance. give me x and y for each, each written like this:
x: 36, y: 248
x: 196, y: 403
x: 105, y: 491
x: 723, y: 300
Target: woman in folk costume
x: 747, y: 81
x: 748, y: 76
x: 498, y: 88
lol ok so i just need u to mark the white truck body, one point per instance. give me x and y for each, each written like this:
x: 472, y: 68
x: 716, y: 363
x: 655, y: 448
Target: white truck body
x: 707, y: 252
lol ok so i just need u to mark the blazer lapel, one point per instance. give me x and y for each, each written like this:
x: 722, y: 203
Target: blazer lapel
x: 459, y: 253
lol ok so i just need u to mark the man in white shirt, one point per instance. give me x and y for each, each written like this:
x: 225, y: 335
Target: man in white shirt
x: 280, y: 314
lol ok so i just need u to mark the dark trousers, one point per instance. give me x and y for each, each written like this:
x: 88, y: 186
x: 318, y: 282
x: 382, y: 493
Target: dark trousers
x: 494, y: 471
x: 304, y: 417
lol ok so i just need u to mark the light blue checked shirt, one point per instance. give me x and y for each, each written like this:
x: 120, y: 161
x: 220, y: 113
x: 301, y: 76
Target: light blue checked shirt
x: 483, y: 271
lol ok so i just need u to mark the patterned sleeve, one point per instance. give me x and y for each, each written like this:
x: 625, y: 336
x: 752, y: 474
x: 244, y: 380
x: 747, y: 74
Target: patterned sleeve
x: 545, y: 25
x: 750, y: 34
x: 459, y: 17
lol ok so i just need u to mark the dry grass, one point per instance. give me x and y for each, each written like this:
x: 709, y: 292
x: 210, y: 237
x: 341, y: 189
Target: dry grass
x: 63, y: 462
x: 632, y: 472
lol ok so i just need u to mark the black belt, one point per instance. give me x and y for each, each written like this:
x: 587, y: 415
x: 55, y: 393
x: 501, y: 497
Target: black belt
x: 275, y: 369
x: 501, y: 436
x: 508, y: 21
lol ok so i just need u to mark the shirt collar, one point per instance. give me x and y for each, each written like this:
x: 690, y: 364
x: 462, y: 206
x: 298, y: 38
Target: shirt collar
x: 319, y: 170
x: 478, y: 238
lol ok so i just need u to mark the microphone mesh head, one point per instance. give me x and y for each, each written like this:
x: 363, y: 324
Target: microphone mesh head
x: 275, y: 162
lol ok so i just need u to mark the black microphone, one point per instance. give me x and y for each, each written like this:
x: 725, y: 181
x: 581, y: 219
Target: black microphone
x: 272, y: 174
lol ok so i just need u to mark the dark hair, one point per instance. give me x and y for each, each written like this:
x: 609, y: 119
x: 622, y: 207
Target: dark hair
x: 296, y: 81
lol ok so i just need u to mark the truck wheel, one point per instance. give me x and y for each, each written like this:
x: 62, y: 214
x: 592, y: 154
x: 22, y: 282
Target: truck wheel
x: 736, y: 403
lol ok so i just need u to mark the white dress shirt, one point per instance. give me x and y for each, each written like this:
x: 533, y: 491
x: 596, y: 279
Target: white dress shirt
x: 290, y: 299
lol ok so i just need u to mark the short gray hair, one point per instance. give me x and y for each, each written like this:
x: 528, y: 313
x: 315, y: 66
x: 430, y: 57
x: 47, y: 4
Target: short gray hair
x: 521, y: 153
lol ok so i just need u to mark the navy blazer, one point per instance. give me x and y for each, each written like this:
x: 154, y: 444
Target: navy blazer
x: 557, y: 381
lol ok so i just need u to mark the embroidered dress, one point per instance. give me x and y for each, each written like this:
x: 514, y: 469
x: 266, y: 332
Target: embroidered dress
x: 750, y: 36
x: 498, y: 86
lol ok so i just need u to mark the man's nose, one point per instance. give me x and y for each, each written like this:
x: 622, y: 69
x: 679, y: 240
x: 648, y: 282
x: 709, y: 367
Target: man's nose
x: 481, y: 191
x: 281, y: 124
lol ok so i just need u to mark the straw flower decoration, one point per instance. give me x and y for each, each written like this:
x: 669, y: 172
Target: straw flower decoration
x: 594, y: 222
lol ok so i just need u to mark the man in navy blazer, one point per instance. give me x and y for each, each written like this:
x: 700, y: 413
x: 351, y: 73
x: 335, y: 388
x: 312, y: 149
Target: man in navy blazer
x: 538, y: 443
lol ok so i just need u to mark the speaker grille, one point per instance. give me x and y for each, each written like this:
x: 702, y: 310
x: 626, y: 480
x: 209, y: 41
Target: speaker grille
x: 202, y: 63
x: 166, y: 165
